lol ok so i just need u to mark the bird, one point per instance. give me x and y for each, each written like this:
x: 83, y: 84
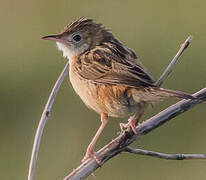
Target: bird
x: 107, y: 75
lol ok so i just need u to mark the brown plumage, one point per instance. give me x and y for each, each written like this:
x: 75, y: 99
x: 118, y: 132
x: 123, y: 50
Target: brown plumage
x: 107, y: 75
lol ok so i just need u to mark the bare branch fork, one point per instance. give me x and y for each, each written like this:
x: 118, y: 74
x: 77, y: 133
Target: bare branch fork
x: 126, y: 138
x: 120, y: 144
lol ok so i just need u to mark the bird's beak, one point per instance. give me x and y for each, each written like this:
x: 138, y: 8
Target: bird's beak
x: 57, y: 38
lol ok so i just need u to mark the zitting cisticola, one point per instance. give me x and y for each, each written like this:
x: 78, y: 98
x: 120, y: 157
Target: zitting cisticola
x: 107, y: 75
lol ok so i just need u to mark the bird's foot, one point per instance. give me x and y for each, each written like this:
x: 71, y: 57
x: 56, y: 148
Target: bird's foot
x: 91, y: 154
x: 131, y: 124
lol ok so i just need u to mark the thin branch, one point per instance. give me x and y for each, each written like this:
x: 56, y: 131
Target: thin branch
x: 119, y: 144
x: 168, y: 70
x: 42, y: 122
x: 165, y: 156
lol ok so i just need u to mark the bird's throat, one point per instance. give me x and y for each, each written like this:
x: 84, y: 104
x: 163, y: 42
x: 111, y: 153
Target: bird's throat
x: 67, y: 53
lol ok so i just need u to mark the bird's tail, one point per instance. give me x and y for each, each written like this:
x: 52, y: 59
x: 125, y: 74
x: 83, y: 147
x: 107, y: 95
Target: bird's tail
x: 172, y: 93
x: 153, y: 94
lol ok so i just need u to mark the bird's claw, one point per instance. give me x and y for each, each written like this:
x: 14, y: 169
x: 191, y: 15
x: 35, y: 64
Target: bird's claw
x: 91, y: 154
x: 131, y: 124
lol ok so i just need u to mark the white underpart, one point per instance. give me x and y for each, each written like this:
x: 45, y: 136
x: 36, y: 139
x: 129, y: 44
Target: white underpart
x: 66, y: 51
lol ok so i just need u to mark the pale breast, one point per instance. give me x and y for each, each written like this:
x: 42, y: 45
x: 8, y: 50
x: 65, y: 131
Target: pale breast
x: 114, y: 100
x: 86, y: 91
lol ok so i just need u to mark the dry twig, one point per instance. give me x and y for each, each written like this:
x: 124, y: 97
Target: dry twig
x: 164, y: 155
x: 168, y: 70
x: 42, y: 122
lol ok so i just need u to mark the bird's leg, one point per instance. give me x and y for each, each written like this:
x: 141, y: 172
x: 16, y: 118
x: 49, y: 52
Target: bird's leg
x: 132, y: 121
x: 90, y: 149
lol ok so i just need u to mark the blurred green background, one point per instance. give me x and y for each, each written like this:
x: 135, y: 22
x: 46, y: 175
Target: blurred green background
x: 30, y: 67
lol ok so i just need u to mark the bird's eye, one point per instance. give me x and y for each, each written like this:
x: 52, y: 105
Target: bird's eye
x: 77, y: 38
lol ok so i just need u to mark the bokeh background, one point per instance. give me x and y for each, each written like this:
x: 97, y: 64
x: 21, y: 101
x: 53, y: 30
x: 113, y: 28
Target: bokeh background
x: 30, y: 66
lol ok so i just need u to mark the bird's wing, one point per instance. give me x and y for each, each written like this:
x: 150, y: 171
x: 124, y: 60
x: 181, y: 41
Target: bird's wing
x: 108, y: 66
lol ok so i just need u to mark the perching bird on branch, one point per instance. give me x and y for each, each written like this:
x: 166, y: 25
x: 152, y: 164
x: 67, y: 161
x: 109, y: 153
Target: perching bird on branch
x: 107, y: 75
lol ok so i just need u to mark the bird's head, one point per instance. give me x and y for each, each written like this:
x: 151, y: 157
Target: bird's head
x: 80, y: 36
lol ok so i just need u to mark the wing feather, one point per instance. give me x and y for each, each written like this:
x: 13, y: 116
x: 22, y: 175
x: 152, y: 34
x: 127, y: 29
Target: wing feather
x: 107, y: 65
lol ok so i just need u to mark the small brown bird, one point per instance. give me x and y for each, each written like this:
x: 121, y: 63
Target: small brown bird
x: 107, y: 75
